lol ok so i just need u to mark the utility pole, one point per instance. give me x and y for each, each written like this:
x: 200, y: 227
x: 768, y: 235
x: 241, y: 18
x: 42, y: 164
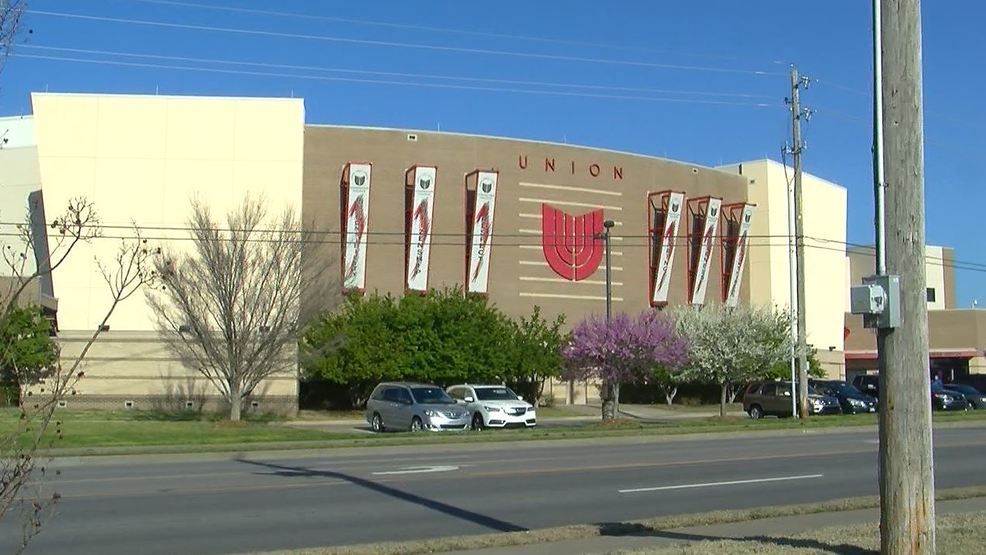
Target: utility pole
x: 907, y: 491
x: 798, y: 81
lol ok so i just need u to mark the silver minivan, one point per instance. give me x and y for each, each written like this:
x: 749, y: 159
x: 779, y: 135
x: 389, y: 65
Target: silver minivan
x: 415, y: 407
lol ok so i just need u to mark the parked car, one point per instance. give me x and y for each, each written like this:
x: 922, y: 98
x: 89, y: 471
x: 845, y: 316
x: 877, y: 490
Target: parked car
x: 494, y: 406
x: 415, y: 407
x: 852, y: 400
x: 774, y: 398
x: 943, y: 399
x: 973, y: 396
x: 868, y: 384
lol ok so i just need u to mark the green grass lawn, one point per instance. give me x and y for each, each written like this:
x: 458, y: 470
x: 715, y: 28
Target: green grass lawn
x: 79, y: 430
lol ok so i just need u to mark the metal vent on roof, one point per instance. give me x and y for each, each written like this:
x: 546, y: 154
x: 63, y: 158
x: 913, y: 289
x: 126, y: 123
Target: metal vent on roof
x: 413, y: 137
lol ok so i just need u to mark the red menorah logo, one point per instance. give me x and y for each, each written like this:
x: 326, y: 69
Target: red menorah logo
x: 571, y: 244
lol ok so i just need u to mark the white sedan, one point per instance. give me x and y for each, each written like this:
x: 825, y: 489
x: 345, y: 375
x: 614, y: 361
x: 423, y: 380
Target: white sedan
x: 494, y: 406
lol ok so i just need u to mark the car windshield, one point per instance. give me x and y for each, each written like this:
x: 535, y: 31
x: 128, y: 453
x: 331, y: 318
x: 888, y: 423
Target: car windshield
x: 845, y: 389
x: 495, y: 394
x: 431, y: 395
x: 938, y: 388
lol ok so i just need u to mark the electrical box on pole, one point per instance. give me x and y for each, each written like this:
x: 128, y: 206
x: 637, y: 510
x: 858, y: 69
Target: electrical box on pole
x: 878, y: 300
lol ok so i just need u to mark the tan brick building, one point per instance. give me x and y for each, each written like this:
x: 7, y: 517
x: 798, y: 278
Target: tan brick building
x: 402, y: 210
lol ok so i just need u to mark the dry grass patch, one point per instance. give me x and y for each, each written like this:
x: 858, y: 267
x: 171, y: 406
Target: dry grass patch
x: 958, y: 533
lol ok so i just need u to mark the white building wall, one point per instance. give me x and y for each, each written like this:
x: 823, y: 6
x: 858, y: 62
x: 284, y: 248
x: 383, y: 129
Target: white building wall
x: 18, y: 178
x: 934, y: 272
x: 141, y: 159
x: 824, y: 218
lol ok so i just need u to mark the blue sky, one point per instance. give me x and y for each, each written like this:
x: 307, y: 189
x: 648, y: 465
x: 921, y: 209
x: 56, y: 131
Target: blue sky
x: 703, y: 82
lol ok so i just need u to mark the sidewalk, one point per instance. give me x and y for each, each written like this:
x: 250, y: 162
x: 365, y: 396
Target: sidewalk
x: 659, y: 413
x: 651, y: 539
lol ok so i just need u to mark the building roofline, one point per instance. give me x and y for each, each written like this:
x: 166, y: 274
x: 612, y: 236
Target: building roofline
x: 171, y: 96
x: 771, y: 161
x: 517, y: 139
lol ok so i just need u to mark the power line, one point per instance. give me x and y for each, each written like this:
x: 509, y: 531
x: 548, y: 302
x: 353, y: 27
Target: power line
x: 395, y: 44
x: 373, y: 238
x: 389, y: 82
x: 431, y: 29
x: 387, y: 73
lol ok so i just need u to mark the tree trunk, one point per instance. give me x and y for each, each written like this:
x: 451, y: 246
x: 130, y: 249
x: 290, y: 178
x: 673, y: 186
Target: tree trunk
x: 608, y: 397
x: 733, y: 393
x: 235, y: 402
x: 616, y: 399
x: 722, y: 399
x: 669, y: 394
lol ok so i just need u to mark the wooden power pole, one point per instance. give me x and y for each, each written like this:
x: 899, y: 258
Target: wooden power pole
x: 907, y: 492
x: 799, y: 245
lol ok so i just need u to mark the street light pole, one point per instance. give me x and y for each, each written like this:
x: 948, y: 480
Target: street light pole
x: 608, y: 225
x: 612, y: 389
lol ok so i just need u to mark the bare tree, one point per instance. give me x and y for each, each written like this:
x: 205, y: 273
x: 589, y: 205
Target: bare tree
x: 11, y: 12
x: 129, y: 270
x: 233, y: 308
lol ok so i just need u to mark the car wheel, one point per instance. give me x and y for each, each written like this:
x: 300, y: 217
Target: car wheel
x: 756, y: 412
x: 477, y: 422
x: 376, y: 423
x: 416, y: 425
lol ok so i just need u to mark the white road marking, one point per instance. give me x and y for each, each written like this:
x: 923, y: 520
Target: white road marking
x: 418, y: 470
x: 730, y: 483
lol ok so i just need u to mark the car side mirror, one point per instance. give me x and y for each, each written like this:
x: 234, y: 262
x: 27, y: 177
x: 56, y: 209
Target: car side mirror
x: 468, y: 399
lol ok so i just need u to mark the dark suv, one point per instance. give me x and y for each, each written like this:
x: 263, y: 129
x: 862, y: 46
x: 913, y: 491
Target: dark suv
x: 774, y: 398
x: 868, y: 384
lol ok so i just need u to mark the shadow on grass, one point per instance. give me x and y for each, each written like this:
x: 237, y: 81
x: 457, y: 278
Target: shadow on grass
x: 625, y: 529
x: 444, y: 508
x: 198, y: 416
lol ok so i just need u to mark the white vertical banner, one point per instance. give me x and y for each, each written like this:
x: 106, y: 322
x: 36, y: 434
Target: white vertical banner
x: 665, y: 256
x: 357, y: 217
x: 419, y: 236
x: 709, y: 231
x: 481, y: 248
x: 739, y: 256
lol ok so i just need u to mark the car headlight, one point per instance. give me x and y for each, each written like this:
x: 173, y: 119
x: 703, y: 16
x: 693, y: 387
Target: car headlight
x: 432, y: 413
x: 857, y: 402
x: 491, y: 409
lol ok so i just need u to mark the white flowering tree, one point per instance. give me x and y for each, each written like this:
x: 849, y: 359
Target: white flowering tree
x: 730, y: 346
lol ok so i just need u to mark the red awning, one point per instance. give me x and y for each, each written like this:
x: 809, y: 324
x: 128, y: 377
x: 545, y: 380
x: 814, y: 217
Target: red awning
x: 934, y: 353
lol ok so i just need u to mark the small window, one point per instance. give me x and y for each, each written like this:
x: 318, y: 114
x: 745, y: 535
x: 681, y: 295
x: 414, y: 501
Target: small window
x: 931, y: 294
x: 390, y: 394
x: 404, y: 396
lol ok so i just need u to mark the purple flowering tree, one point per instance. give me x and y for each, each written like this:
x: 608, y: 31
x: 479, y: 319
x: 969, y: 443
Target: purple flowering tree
x: 625, y: 350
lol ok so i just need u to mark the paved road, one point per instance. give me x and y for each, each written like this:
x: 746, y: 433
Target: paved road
x: 214, y: 504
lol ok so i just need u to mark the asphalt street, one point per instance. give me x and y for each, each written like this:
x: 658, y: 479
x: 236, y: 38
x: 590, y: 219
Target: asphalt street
x: 214, y: 504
